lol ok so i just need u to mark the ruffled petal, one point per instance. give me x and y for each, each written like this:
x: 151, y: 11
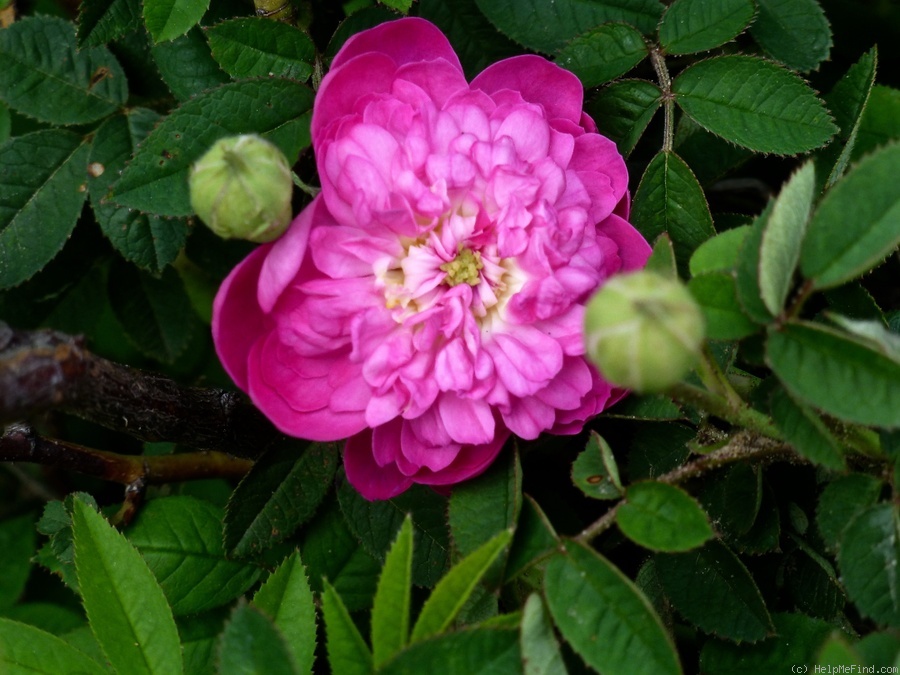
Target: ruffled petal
x: 286, y: 254
x: 371, y: 480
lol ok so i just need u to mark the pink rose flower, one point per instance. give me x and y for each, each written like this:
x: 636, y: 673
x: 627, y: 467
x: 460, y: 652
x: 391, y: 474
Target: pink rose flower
x: 429, y: 302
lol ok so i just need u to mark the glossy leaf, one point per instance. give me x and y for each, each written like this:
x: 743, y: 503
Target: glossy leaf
x: 148, y: 241
x: 248, y: 47
x: 754, y: 103
x: 869, y: 560
x: 390, y: 612
x: 451, y: 592
x: 783, y: 235
x: 669, y: 199
x: 716, y: 294
x: 830, y: 370
x: 126, y: 607
x: 691, y: 26
x: 662, y: 258
x: 806, y: 431
x: 154, y: 311
x: 713, y: 590
x: 548, y: 26
x: 156, y: 179
x: 604, y: 617
x: 180, y: 539
x: 347, y: 651
x: 42, y: 182
x: 375, y: 523
x: 26, y: 649
x: 478, y: 651
x: 250, y: 643
x: 662, y: 517
x: 102, y: 21
x: 794, y: 32
x: 44, y: 75
x: 287, y: 600
x: 282, y: 491
x: 623, y: 110
x: 856, y: 225
x: 169, y: 19
x: 595, y: 472
x: 604, y: 53
x: 847, y: 102
x: 720, y: 253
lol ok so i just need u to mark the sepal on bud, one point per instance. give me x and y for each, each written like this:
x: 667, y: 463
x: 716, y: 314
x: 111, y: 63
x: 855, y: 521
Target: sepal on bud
x: 643, y: 331
x: 241, y: 188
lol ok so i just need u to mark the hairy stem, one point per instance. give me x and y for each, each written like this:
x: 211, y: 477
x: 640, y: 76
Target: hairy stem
x: 665, y: 85
x: 738, y: 412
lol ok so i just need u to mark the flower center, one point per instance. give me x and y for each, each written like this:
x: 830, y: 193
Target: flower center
x: 464, y: 268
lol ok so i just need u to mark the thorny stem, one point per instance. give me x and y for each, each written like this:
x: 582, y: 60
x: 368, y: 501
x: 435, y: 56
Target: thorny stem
x: 665, y: 85
x: 742, y: 447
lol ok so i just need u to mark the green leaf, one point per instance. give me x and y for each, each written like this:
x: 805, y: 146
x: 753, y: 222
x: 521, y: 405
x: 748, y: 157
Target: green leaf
x: 847, y: 102
x: 126, y: 607
x: 812, y: 582
x: 713, y: 590
x: 754, y: 103
x: 691, y: 26
x: 347, y: 651
x: 623, y: 110
x: 148, y: 241
x: 547, y: 26
x: 796, y: 641
x: 287, y: 600
x: 720, y: 253
x: 733, y: 497
x: 669, y: 199
x: 855, y: 226
x: 482, y: 507
x: 399, y: 5
x: 765, y: 534
x: 794, y: 32
x: 869, y: 560
x: 18, y: 543
x: 451, y: 592
x: 806, y: 431
x: 595, y: 472
x: 180, y: 540
x: 716, y: 293
x: 5, y: 123
x: 604, y: 53
x: 783, y: 235
x: 102, y: 21
x: 604, y: 617
x: 837, y: 373
x: 841, y: 501
x: 330, y: 550
x: 534, y: 540
x: 42, y: 188
x: 836, y: 652
x: 390, y: 611
x: 710, y: 157
x: 540, y: 650
x: 253, y: 47
x: 44, y: 75
x: 374, y: 524
x: 169, y: 19
x: 658, y: 447
x: 662, y: 259
x: 282, y: 491
x: 53, y: 618
x: 880, y: 122
x: 155, y: 181
x: 654, y: 407
x: 662, y: 517
x: 250, y: 643
x: 747, y: 270
x: 187, y: 66
x: 479, y: 651
x: 200, y: 640
x: 155, y: 312
x: 26, y: 650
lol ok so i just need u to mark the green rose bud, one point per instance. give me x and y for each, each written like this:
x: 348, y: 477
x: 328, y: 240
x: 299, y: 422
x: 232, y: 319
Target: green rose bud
x: 241, y: 188
x: 643, y: 331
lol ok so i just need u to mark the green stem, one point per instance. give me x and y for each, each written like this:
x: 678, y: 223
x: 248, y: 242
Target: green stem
x: 715, y: 380
x: 739, y: 414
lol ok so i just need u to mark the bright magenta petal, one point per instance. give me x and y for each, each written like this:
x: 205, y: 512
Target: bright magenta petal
x: 408, y: 40
x: 371, y: 480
